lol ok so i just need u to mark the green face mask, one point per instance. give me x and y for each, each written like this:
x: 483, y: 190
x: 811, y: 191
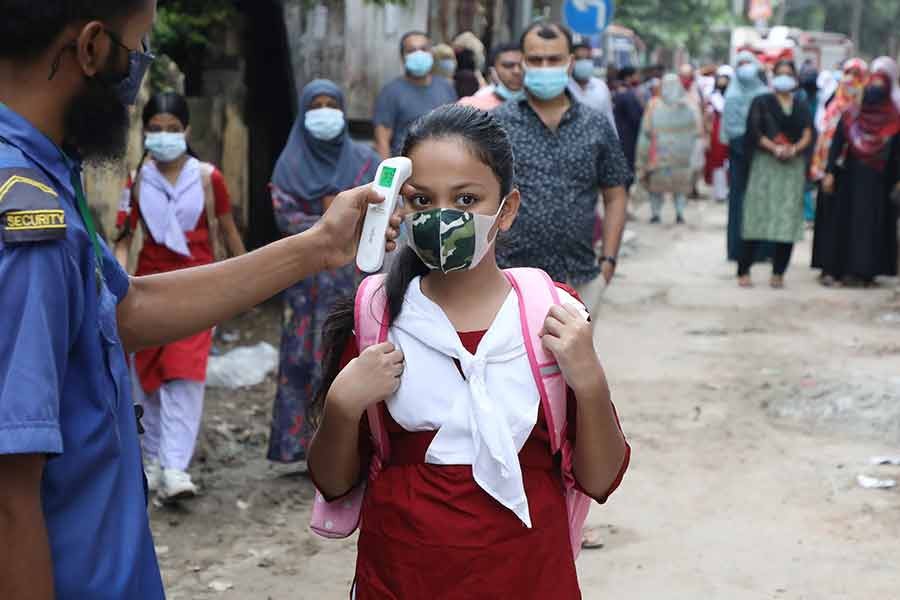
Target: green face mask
x: 447, y: 239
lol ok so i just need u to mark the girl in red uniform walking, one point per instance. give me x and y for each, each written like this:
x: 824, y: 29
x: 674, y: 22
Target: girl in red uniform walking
x: 470, y: 503
x: 180, y: 204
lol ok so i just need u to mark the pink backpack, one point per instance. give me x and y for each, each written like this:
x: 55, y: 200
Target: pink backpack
x: 537, y: 294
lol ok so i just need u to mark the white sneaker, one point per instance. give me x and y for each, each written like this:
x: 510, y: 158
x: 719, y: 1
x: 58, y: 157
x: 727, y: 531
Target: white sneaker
x: 153, y: 473
x: 176, y: 485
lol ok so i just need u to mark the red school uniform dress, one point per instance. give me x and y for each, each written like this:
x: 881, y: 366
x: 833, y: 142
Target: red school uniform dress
x: 176, y: 237
x: 431, y: 531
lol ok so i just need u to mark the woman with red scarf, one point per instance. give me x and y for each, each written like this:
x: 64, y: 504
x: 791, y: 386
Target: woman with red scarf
x: 862, y: 173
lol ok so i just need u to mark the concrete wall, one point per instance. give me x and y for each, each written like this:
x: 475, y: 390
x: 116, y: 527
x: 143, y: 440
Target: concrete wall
x: 354, y: 43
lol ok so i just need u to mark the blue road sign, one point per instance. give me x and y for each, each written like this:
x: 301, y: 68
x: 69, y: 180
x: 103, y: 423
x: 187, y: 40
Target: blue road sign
x: 588, y: 17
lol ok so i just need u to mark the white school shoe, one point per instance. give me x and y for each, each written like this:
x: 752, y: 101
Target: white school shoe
x: 176, y: 485
x: 153, y: 473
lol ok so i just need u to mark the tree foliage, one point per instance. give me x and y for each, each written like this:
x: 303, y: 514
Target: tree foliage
x: 689, y: 24
x: 701, y: 26
x: 184, y: 27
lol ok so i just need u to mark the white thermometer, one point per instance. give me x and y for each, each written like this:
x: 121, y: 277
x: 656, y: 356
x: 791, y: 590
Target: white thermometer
x: 390, y: 177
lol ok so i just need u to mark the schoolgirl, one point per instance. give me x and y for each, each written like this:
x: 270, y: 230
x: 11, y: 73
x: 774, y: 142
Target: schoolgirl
x: 471, y: 501
x: 180, y: 204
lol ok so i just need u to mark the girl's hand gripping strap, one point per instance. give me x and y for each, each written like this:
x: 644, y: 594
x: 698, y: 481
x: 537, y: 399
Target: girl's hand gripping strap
x: 537, y: 294
x: 340, y: 518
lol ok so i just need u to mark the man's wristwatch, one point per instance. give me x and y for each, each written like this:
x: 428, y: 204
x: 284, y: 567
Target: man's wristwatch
x: 610, y: 259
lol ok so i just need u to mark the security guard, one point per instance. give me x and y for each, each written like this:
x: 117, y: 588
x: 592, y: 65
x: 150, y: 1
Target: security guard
x: 73, y: 521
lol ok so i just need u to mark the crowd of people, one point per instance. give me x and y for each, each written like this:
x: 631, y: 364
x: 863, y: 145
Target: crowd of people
x: 781, y: 146
x: 819, y: 147
x: 462, y: 384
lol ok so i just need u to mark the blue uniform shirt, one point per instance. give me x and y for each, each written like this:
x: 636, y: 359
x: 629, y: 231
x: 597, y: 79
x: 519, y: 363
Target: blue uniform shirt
x: 64, y: 385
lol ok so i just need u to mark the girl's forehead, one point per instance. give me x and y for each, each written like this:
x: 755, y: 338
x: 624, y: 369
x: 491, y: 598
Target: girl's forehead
x: 165, y: 119
x: 447, y: 156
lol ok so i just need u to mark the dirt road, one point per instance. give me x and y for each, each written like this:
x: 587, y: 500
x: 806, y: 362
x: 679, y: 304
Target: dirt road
x: 750, y: 412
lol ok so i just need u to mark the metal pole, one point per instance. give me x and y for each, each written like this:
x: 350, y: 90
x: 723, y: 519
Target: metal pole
x: 856, y: 30
x: 556, y: 11
x: 782, y: 12
x: 527, y: 9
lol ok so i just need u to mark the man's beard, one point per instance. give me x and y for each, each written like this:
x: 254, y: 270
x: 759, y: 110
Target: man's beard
x: 97, y: 123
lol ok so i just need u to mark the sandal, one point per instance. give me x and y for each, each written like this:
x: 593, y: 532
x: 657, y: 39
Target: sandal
x: 777, y: 282
x: 744, y: 281
x: 591, y: 539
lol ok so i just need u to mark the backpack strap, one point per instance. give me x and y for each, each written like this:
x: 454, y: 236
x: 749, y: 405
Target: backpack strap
x: 212, y: 219
x: 537, y: 294
x: 371, y: 318
x: 341, y: 517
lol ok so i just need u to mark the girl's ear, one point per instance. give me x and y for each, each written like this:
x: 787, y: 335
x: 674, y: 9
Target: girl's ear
x: 510, y: 210
x: 187, y: 132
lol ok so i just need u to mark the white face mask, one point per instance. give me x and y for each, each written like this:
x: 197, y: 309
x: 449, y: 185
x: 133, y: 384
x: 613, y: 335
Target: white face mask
x: 324, y: 123
x: 164, y: 146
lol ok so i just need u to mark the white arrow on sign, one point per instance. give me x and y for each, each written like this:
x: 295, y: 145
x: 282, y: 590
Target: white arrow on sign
x: 600, y: 5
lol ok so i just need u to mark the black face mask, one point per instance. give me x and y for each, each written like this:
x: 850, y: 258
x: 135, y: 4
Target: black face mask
x: 97, y: 122
x: 875, y: 95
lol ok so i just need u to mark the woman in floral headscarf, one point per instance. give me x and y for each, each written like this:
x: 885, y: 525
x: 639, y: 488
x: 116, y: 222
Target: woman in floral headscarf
x: 848, y: 95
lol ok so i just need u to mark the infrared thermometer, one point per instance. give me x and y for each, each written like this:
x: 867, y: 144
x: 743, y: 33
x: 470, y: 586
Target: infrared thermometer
x: 390, y: 177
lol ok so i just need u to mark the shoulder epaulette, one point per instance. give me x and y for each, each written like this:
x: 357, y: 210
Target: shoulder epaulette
x: 30, y: 210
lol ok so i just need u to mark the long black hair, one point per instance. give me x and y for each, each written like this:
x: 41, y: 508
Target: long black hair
x: 486, y: 140
x: 167, y: 102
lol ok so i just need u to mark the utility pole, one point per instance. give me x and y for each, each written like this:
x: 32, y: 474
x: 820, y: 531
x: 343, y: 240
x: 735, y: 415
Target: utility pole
x: 782, y: 12
x: 556, y: 11
x: 856, y: 23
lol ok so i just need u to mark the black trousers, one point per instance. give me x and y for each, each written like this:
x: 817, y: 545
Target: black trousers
x: 780, y: 262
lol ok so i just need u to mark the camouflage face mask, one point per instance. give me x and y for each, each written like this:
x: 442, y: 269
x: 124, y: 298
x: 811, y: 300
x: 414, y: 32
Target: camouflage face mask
x: 450, y: 240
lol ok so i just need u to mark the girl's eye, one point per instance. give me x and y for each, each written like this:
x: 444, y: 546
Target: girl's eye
x: 466, y: 200
x: 419, y: 201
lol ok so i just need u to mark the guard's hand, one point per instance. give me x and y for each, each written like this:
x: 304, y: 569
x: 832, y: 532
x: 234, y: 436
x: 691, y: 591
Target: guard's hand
x: 828, y: 184
x: 343, y: 221
x: 366, y: 380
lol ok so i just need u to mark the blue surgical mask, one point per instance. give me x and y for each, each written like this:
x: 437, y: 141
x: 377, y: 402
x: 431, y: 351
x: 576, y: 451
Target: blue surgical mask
x: 324, y: 123
x: 448, y: 66
x: 584, y: 69
x: 507, y: 94
x: 784, y: 83
x: 547, y: 83
x: 164, y: 146
x: 746, y: 73
x: 419, y: 63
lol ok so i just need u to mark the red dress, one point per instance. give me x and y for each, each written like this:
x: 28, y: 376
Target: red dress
x: 429, y: 531
x: 717, y: 153
x: 186, y: 358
